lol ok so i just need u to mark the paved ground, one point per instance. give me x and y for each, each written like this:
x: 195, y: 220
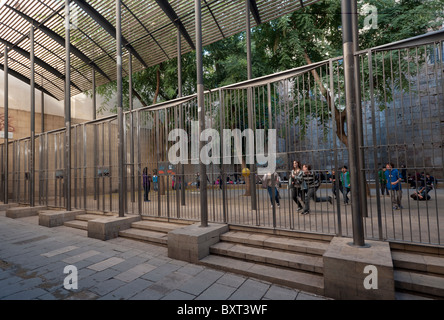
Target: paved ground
x: 33, y: 261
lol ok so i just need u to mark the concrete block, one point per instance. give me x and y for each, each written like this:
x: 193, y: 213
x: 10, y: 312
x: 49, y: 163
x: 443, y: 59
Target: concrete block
x: 108, y: 227
x: 54, y: 218
x: 4, y: 207
x: 192, y: 243
x: 22, y: 211
x: 344, y: 275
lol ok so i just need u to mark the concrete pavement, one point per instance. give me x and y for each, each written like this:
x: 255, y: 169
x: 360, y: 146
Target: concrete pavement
x: 33, y: 261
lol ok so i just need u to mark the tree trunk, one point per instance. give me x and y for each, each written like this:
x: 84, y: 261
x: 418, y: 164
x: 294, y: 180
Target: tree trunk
x: 339, y: 116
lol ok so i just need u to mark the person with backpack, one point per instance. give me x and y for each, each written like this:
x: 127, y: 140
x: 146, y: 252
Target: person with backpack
x: 394, y: 180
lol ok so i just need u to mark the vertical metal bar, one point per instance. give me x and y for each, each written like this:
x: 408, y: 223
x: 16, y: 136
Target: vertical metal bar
x: 353, y: 143
x: 130, y: 96
x: 32, y: 153
x: 359, y: 126
x: 120, y: 141
x: 158, y: 155
x: 94, y: 97
x: 251, y: 119
x: 46, y: 169
x: 125, y: 163
x: 333, y: 111
x: 110, y: 190
x: 103, y: 167
x: 56, y: 167
x: 67, y: 107
x: 139, y: 164
x: 42, y: 107
x: 222, y: 165
x: 40, y: 168
x: 76, y: 153
x: 201, y: 112
x: 84, y: 165
x: 181, y: 107
x: 375, y: 152
x: 6, y: 121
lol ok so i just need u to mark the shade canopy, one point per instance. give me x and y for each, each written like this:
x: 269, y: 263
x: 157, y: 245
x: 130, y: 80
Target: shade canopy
x: 149, y: 34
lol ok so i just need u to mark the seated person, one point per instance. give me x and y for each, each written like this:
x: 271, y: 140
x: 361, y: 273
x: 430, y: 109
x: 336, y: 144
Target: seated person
x: 428, y: 183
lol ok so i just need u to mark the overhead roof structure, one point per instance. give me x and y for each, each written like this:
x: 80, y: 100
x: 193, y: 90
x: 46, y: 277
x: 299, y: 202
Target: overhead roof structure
x: 149, y: 33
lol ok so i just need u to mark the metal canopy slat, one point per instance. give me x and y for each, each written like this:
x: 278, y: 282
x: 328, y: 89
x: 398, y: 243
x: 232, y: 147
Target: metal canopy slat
x: 149, y: 33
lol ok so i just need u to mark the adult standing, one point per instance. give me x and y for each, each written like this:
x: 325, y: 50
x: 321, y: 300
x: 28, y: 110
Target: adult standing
x: 345, y: 181
x: 146, y: 184
x: 268, y: 184
x: 394, y: 185
x: 312, y: 183
x: 294, y: 183
x: 383, y: 181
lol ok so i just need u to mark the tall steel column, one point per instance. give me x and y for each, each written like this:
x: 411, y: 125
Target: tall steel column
x: 130, y: 96
x: 360, y: 128
x: 120, y: 138
x: 351, y: 105
x: 251, y: 118
x: 32, y: 152
x: 67, y: 176
x: 6, y: 124
x: 181, y: 167
x: 201, y: 112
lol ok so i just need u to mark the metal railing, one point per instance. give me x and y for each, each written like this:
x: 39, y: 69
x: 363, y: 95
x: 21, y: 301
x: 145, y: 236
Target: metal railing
x: 402, y: 99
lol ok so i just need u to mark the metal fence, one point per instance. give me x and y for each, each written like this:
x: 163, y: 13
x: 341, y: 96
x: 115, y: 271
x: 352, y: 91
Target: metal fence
x: 402, y: 99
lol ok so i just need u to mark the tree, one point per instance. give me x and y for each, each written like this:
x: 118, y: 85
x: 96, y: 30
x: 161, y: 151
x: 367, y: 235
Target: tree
x: 314, y: 34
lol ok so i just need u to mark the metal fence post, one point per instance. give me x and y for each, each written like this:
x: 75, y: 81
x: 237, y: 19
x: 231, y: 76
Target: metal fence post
x: 353, y: 145
x: 201, y: 114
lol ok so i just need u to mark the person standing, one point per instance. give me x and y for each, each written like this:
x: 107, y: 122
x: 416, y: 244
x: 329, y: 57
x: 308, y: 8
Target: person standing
x: 146, y: 184
x: 294, y: 183
x: 267, y: 183
x: 312, y: 183
x: 383, y: 181
x: 394, y: 185
x: 333, y: 183
x: 345, y: 181
x: 155, y: 183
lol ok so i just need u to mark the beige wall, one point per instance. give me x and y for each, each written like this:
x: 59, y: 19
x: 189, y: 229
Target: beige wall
x: 19, y: 98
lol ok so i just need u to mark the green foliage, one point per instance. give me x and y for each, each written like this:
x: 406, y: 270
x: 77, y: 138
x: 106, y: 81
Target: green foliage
x: 312, y: 33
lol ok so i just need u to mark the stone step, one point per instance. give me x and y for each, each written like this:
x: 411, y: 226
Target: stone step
x: 276, y: 242
x: 78, y: 224
x: 420, y: 283
x: 409, y: 296
x: 145, y: 235
x: 277, y: 258
x: 295, y: 279
x: 418, y: 262
x: 88, y: 216
x: 156, y: 226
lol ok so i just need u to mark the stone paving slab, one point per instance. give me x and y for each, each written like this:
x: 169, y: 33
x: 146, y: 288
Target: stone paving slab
x: 33, y: 258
